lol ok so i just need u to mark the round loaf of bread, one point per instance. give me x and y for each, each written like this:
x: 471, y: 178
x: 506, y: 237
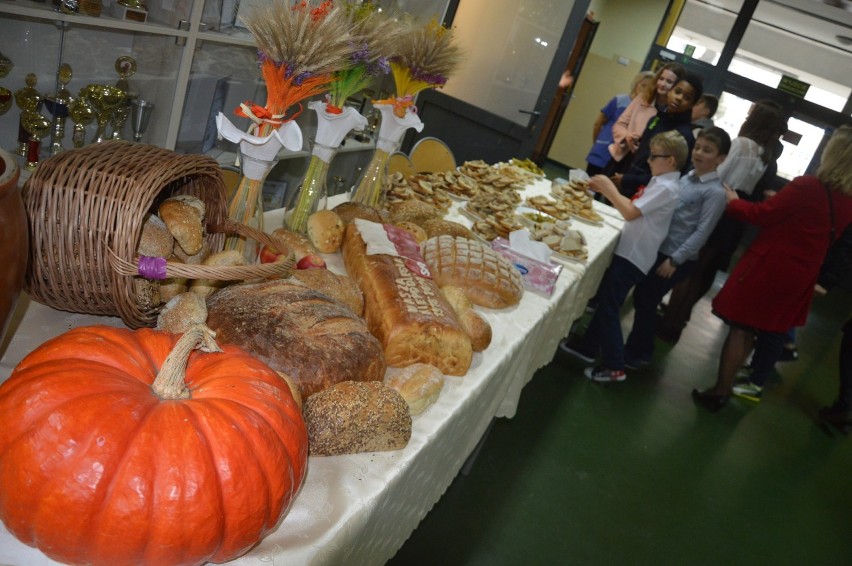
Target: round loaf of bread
x: 307, y: 335
x: 486, y: 277
x: 339, y: 287
x: 325, y: 230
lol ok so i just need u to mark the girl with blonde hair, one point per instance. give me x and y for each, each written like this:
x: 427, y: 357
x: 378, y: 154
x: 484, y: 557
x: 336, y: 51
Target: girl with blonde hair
x: 771, y: 287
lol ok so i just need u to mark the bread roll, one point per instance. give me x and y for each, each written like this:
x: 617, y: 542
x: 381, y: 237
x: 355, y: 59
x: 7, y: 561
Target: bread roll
x: 325, y: 230
x: 440, y: 227
x: 351, y: 417
x: 301, y: 332
x: 182, y: 313
x: 299, y: 243
x: 206, y: 287
x: 404, y: 310
x: 416, y: 230
x: 487, y: 278
x: 147, y: 293
x: 349, y: 211
x: 183, y: 215
x: 339, y: 287
x: 473, y: 324
x: 419, y: 384
x: 294, y: 389
x: 196, y: 259
x: 156, y: 240
x: 412, y: 210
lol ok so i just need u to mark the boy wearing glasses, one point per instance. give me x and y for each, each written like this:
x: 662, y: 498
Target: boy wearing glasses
x: 701, y: 203
x: 647, y: 216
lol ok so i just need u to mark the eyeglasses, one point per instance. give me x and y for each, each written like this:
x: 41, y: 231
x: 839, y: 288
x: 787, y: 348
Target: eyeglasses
x: 654, y: 156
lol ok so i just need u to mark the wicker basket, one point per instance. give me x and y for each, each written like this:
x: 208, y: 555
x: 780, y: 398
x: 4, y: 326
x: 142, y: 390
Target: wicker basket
x: 86, y: 208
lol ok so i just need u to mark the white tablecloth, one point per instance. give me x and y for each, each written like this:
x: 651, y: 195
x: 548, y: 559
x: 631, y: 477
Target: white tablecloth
x: 360, y: 509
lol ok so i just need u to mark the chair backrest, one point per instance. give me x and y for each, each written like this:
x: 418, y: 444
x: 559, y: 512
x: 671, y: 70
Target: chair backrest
x: 399, y: 162
x: 431, y: 155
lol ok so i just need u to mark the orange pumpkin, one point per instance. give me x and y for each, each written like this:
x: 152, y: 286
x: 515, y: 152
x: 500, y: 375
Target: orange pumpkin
x: 96, y: 467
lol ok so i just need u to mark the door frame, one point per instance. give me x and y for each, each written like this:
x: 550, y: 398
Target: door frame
x: 474, y: 133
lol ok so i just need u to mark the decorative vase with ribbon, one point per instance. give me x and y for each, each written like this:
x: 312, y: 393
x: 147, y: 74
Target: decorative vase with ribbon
x: 391, y: 130
x: 332, y: 127
x: 258, y: 155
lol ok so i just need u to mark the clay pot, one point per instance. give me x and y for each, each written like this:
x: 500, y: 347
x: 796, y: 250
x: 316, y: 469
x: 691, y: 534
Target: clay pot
x: 14, y: 239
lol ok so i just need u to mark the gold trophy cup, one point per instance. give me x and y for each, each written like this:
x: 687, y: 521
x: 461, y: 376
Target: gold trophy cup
x: 104, y: 99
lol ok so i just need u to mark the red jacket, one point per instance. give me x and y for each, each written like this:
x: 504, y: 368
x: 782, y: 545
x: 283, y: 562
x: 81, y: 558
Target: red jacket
x: 772, y: 285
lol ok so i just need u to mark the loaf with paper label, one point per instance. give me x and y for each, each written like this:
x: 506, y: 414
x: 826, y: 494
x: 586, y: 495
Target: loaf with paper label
x: 403, y: 306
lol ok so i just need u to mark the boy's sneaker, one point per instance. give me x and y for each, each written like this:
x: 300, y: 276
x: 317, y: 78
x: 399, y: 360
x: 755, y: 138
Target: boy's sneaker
x: 744, y: 374
x: 747, y: 390
x: 635, y: 363
x: 573, y: 348
x: 605, y: 375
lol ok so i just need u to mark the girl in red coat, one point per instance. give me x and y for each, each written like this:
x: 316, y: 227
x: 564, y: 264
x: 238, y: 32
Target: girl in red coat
x: 771, y: 287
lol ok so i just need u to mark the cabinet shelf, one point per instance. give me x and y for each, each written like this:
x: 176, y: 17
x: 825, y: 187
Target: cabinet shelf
x: 44, y: 12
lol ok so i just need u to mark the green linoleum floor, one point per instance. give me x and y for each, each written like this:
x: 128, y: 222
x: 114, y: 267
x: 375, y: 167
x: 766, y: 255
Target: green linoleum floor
x: 635, y: 473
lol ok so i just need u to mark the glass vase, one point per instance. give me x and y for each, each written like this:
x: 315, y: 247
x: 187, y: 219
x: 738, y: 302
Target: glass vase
x: 258, y: 155
x: 369, y: 190
x: 246, y: 203
x: 312, y: 193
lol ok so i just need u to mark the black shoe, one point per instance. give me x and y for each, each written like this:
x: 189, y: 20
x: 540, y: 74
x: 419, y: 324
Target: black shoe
x: 837, y: 414
x: 710, y: 401
x: 635, y: 364
x: 668, y: 334
x: 789, y: 354
x: 573, y: 348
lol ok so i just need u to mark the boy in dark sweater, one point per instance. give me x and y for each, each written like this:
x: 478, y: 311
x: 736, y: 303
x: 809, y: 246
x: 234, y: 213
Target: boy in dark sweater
x: 678, y: 117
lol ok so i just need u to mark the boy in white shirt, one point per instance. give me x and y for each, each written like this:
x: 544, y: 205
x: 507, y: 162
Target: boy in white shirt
x: 647, y: 214
x: 701, y: 202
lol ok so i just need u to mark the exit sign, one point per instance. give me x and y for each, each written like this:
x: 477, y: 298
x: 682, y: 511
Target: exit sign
x: 793, y: 86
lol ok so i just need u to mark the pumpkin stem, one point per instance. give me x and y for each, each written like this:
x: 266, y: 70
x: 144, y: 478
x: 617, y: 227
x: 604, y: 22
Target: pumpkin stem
x: 170, y: 382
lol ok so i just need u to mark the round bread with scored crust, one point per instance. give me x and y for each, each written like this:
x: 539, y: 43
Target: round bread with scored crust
x: 486, y: 277
x: 299, y: 331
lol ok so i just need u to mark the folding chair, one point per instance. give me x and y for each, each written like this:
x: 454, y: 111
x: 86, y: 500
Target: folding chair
x: 431, y: 155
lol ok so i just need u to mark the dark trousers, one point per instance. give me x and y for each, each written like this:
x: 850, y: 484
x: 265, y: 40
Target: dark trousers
x: 767, y: 352
x: 646, y: 298
x: 604, y: 331
x: 845, y: 366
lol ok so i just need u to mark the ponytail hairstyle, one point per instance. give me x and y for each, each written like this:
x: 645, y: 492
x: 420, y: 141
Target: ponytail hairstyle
x: 764, y: 125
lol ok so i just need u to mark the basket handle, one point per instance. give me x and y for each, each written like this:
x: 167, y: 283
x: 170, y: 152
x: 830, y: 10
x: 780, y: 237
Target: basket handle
x: 222, y: 273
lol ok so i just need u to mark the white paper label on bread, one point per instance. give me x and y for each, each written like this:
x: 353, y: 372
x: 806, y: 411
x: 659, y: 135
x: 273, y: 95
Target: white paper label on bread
x: 386, y: 239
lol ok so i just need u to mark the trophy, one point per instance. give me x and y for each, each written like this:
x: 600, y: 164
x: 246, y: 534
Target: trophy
x: 28, y: 99
x: 82, y: 115
x: 58, y: 107
x: 37, y: 126
x: 104, y: 100
x: 5, y: 94
x: 139, y: 118
x: 125, y: 66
